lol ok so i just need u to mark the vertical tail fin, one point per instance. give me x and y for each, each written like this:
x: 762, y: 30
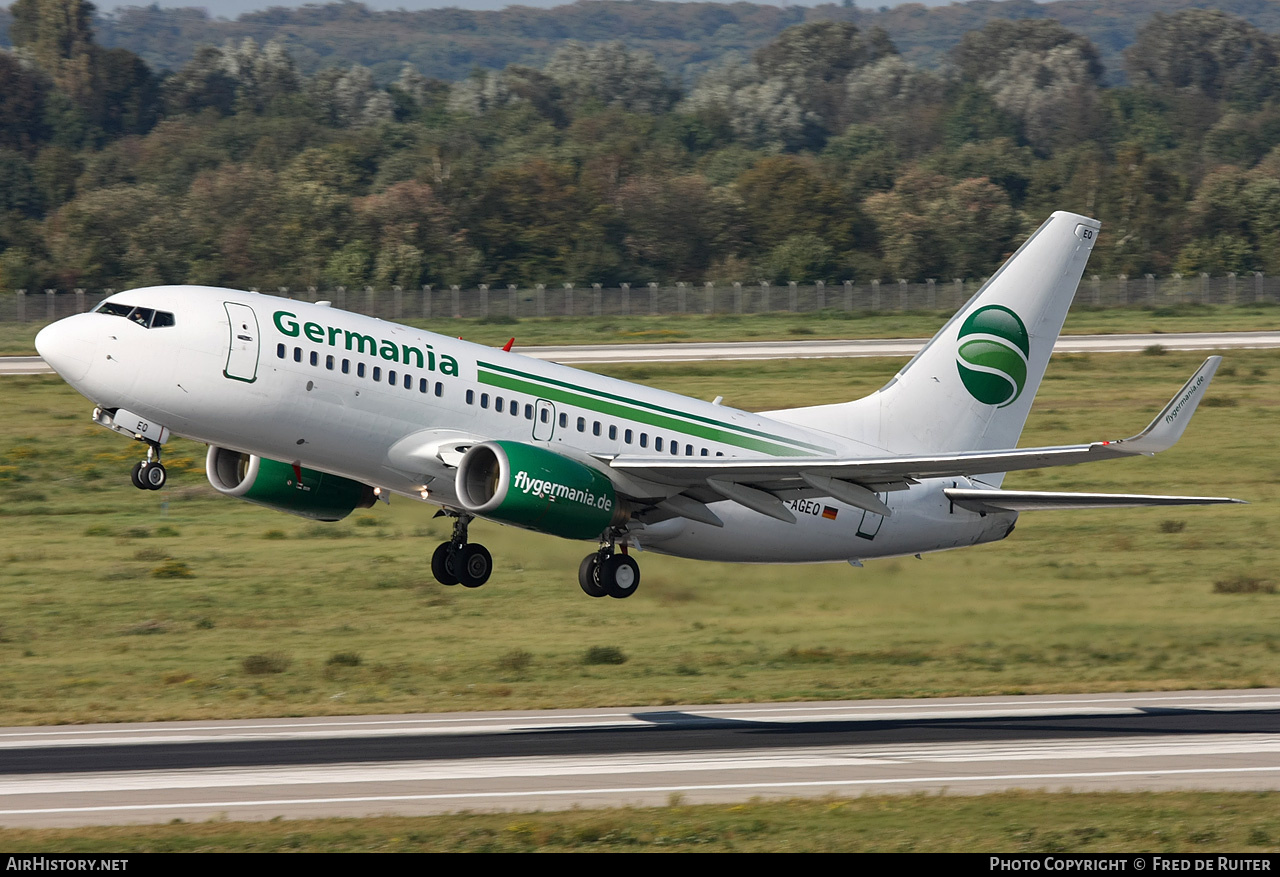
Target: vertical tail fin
x: 971, y: 386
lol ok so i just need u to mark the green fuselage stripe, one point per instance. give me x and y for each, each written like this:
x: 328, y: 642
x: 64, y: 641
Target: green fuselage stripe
x: 732, y: 436
x: 627, y: 413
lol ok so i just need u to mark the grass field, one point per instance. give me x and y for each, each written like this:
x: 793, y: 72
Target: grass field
x: 16, y: 338
x: 118, y: 605
x: 1022, y: 822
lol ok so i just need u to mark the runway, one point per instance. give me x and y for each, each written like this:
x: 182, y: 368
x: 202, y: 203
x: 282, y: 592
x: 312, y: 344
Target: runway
x: 750, y: 350
x: 558, y: 759
x: 756, y: 350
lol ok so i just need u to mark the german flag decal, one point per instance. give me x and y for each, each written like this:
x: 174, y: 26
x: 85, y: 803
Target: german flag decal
x: 829, y: 513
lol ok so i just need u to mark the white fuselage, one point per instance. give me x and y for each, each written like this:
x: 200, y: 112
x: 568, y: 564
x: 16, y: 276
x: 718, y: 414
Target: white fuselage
x: 379, y: 403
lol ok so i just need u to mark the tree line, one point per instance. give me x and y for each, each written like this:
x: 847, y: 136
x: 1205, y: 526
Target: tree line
x: 685, y: 38
x: 826, y: 154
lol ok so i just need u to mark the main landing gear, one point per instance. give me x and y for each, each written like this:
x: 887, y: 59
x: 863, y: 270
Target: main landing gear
x: 150, y: 474
x: 609, y: 574
x: 459, y: 562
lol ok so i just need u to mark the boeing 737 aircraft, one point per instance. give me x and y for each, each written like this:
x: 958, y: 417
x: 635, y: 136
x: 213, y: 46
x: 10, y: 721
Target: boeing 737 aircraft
x: 317, y: 412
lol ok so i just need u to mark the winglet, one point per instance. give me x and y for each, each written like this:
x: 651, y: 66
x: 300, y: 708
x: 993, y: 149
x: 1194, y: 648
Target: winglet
x: 1167, y: 428
x: 507, y: 346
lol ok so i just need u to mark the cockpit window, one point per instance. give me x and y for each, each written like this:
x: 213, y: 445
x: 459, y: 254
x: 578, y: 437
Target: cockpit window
x: 148, y: 318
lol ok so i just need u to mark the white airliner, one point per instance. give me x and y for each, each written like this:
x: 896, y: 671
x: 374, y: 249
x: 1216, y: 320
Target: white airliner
x: 316, y: 411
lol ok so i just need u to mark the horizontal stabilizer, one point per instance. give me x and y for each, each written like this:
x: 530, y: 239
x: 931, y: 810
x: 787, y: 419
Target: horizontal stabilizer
x: 1037, y: 500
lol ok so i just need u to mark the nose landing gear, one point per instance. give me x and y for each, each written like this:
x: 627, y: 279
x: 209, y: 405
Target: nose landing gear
x: 459, y: 562
x: 150, y: 474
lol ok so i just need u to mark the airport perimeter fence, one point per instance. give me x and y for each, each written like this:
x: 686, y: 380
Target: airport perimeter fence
x: 500, y: 303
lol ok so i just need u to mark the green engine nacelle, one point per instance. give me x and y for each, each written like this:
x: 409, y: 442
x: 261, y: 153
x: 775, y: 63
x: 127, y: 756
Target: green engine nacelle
x: 534, y: 488
x: 277, y: 486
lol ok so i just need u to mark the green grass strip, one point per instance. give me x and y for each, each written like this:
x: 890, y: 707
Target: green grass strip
x: 1010, y: 822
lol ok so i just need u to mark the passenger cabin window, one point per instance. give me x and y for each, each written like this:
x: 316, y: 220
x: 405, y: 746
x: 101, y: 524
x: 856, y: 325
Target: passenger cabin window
x: 595, y: 427
x: 346, y: 366
x: 564, y: 420
x: 471, y: 397
x: 281, y: 351
x: 657, y: 443
x: 582, y: 424
x: 297, y: 354
x: 626, y: 436
x: 484, y: 400
x: 328, y: 362
x: 377, y: 372
x: 497, y: 404
x: 315, y: 358
x: 359, y: 369
x: 613, y: 433
x: 644, y: 439
x: 391, y: 377
x: 439, y: 389
x: 528, y: 412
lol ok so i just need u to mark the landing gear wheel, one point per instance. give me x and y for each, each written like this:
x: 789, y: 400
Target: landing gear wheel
x: 458, y: 562
x: 153, y: 476
x: 587, y: 576
x: 149, y: 474
x: 619, y: 576
x: 475, y: 567
x: 444, y: 564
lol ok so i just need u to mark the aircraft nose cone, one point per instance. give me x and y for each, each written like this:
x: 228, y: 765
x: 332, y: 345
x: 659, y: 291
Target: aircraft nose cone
x: 63, y: 346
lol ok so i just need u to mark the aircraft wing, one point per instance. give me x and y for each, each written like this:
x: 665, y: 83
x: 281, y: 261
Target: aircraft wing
x: 759, y: 482
x: 1040, y: 500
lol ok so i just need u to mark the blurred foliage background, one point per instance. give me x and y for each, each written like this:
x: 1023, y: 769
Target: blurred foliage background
x: 639, y: 142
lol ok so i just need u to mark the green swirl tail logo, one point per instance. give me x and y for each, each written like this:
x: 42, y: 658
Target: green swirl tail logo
x: 992, y: 357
